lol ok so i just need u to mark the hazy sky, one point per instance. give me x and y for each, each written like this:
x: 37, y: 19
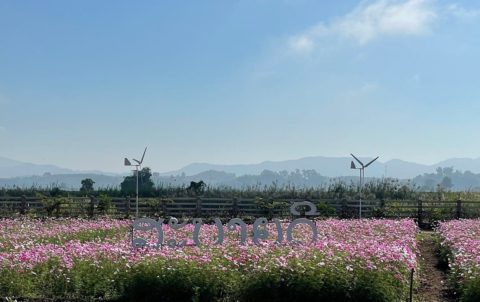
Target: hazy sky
x: 85, y: 83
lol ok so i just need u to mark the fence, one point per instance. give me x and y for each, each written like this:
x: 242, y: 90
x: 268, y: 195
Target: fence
x: 424, y: 211
x: 428, y: 212
x: 178, y: 207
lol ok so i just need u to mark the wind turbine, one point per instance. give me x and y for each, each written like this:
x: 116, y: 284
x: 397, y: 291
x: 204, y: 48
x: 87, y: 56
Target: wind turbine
x: 362, y: 177
x: 139, y: 164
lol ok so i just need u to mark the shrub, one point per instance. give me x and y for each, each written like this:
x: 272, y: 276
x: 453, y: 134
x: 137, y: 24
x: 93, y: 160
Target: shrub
x: 161, y: 281
x: 104, y: 204
x: 327, y: 284
x: 471, y: 290
x: 325, y: 210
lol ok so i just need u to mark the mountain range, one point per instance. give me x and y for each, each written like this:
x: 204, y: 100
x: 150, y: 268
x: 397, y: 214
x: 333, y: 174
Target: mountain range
x: 17, y: 173
x: 13, y: 168
x: 335, y: 167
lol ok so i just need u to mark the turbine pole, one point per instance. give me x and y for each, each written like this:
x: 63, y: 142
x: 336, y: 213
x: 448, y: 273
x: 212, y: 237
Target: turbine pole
x: 136, y: 203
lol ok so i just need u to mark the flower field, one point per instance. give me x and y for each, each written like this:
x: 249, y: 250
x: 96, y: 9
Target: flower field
x: 352, y: 260
x: 460, y: 246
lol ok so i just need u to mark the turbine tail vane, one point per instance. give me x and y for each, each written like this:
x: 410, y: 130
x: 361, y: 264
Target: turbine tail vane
x: 357, y: 160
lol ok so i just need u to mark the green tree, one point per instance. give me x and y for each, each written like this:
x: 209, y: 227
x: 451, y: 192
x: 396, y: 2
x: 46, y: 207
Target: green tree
x: 446, y: 183
x: 87, y: 186
x: 145, y: 184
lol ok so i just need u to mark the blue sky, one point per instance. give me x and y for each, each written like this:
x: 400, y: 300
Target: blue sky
x: 85, y: 83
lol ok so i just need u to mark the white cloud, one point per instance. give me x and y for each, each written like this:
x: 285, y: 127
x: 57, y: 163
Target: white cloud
x: 462, y: 13
x: 380, y: 18
x: 301, y: 44
x: 370, y: 21
x: 305, y: 42
x: 412, y: 17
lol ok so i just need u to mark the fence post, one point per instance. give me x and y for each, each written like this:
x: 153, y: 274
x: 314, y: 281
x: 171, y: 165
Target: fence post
x: 127, y: 206
x: 381, y: 211
x: 458, y: 213
x: 23, y: 205
x: 344, y: 213
x: 235, y: 207
x: 164, y: 207
x: 198, y: 208
x: 420, y: 212
x: 91, y: 208
x: 270, y: 208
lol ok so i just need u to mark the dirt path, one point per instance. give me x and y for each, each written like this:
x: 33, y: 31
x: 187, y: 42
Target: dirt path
x: 433, y: 280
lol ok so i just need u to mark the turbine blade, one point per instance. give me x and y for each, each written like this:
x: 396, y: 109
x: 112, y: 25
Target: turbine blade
x: 357, y: 159
x: 141, y: 161
x: 136, y: 161
x: 372, y: 161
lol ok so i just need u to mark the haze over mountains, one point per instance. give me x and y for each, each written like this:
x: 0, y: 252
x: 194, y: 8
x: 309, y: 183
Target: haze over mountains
x: 336, y: 167
x: 13, y: 168
x: 16, y: 173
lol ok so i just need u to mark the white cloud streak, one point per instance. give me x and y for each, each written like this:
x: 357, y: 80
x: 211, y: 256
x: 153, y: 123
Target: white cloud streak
x: 370, y: 21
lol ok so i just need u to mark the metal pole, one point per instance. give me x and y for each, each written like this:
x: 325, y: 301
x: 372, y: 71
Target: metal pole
x: 360, y: 195
x: 136, y: 206
x: 411, y: 285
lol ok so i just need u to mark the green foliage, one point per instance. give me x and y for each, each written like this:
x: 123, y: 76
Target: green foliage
x: 270, y: 206
x: 14, y: 284
x: 471, y: 291
x: 322, y: 284
x: 396, y: 195
x: 160, y: 281
x: 384, y: 189
x: 103, y: 281
x: 197, y: 188
x: 55, y: 192
x: 325, y: 210
x: 145, y: 184
x: 156, y: 205
x: 104, y: 204
x: 87, y: 186
x: 51, y: 205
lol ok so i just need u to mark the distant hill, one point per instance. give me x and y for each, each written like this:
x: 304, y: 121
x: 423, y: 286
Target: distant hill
x: 461, y: 164
x: 14, y: 168
x: 327, y: 166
